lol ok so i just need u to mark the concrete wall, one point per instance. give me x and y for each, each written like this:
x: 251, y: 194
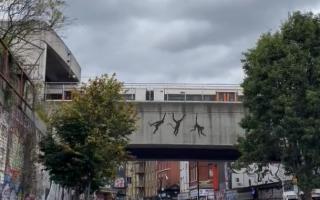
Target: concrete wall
x: 220, y: 122
x: 33, y: 54
x: 55, y: 42
x: 20, y: 174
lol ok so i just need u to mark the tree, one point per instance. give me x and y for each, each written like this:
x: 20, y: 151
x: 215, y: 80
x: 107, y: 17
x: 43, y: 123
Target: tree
x: 89, y: 136
x: 22, y: 18
x: 282, y: 98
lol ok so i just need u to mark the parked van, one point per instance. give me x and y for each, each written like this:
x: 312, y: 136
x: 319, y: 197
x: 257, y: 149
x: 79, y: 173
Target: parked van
x: 315, y: 194
x: 290, y: 195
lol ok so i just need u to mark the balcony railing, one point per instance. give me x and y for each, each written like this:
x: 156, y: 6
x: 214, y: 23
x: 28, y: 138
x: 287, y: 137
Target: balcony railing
x: 59, y: 91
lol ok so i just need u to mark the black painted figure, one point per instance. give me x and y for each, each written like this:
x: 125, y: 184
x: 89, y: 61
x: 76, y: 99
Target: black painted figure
x: 157, y: 124
x: 198, y: 127
x: 176, y: 127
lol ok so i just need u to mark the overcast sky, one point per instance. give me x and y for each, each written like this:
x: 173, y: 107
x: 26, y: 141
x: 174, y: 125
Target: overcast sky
x: 186, y: 41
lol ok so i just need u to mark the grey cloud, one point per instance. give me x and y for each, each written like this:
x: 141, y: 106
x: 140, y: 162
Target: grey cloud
x: 171, y: 40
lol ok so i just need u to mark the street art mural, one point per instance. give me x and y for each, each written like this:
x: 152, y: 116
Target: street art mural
x: 198, y: 128
x: 3, y: 142
x: 13, y: 172
x: 157, y: 124
x: 175, y: 125
x: 189, y: 124
x: 14, y: 127
x: 257, y: 175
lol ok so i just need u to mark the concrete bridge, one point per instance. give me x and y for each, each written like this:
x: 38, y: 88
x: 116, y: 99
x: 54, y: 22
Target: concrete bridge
x: 187, y: 130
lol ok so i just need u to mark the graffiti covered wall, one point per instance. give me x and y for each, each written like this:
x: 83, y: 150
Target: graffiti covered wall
x: 15, y: 126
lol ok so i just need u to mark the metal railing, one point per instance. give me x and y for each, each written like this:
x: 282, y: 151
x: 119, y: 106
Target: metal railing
x: 60, y: 91
x: 183, y: 85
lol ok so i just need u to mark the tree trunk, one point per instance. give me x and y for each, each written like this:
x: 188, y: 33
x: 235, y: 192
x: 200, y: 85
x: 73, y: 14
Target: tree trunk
x: 76, y: 194
x: 47, y: 194
x: 62, y: 194
x: 87, y: 197
x: 307, y: 194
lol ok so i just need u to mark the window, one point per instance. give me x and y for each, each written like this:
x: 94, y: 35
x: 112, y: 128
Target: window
x: 210, y: 171
x: 193, y: 172
x: 129, y: 96
x: 237, y: 180
x: 194, y: 97
x: 129, y: 180
x: 54, y: 96
x: 209, y: 97
x: 220, y: 96
x: 226, y: 96
x: 67, y: 95
x: 232, y: 96
x: 149, y: 95
x: 175, y: 97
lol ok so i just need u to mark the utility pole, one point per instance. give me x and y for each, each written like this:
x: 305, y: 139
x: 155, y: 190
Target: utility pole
x: 198, y: 187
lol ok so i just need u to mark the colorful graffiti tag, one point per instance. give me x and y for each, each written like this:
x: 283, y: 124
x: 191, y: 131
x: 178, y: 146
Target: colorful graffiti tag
x: 13, y: 129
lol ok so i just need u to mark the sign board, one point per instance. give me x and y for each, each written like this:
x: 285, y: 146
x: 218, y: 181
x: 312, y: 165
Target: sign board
x: 119, y: 182
x: 202, y: 192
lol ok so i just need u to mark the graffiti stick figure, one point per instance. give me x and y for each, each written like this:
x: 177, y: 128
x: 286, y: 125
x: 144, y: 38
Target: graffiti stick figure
x: 198, y: 127
x: 157, y: 124
x: 177, y: 124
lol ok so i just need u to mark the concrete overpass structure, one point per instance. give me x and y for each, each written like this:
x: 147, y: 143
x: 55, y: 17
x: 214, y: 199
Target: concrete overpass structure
x: 179, y: 121
x: 188, y: 129
x: 49, y: 63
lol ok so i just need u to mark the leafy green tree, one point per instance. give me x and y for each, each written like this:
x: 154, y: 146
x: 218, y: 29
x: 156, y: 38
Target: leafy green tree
x: 89, y: 136
x: 282, y: 98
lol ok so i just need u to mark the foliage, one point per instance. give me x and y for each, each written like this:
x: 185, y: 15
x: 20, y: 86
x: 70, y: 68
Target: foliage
x: 22, y: 24
x: 21, y: 18
x: 89, y: 135
x: 282, y: 97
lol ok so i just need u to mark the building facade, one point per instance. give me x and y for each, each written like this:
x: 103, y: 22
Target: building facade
x: 203, y: 174
x: 184, y: 180
x: 135, y: 178
x: 18, y: 128
x: 168, y: 178
x: 151, y: 189
x: 21, y: 124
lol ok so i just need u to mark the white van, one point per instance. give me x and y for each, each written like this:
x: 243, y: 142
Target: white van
x: 290, y: 195
x: 315, y: 194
